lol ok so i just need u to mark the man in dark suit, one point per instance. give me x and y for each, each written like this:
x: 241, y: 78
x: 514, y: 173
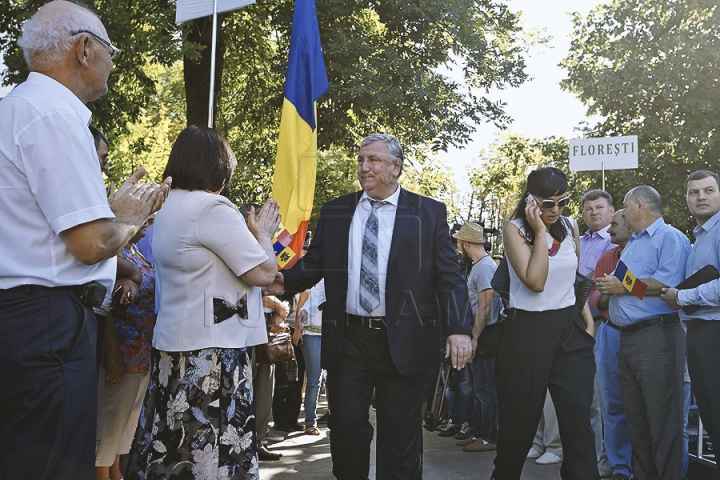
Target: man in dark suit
x: 394, y: 292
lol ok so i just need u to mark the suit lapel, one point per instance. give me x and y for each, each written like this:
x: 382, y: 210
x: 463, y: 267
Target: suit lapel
x: 406, y: 210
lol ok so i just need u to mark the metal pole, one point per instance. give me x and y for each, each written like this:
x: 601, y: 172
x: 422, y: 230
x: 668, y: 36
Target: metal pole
x: 212, y: 66
x: 603, y: 175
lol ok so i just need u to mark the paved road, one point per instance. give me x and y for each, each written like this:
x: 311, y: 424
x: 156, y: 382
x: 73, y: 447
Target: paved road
x: 306, y: 457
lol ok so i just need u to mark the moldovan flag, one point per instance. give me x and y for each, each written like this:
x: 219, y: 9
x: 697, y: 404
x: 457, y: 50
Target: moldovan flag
x: 296, y: 161
x: 280, y: 241
x: 630, y: 281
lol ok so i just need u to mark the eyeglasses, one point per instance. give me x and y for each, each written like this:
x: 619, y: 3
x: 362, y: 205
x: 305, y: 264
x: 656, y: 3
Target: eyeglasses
x: 114, y: 51
x: 550, y: 204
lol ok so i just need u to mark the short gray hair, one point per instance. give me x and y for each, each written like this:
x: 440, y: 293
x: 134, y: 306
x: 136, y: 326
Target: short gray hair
x: 393, y: 145
x: 649, y: 197
x: 47, y: 37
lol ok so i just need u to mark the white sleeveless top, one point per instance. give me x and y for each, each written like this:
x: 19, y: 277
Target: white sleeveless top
x: 560, y: 285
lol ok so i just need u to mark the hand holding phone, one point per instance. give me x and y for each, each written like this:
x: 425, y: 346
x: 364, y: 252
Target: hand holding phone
x: 531, y: 199
x: 117, y: 295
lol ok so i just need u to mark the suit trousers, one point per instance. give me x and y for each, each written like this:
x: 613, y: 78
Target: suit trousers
x: 546, y: 351
x: 263, y: 387
x: 365, y: 363
x: 48, y: 389
x: 651, y: 378
x: 703, y: 356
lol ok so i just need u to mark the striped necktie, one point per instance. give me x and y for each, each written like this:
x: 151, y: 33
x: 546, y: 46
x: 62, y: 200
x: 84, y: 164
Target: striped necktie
x: 369, y: 285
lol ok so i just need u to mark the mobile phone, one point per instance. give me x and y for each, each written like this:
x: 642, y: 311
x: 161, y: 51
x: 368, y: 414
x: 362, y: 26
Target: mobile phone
x: 531, y: 199
x: 117, y: 295
x: 93, y: 294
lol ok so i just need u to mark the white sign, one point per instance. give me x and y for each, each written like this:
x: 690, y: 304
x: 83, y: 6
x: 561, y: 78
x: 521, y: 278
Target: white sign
x: 615, y: 152
x: 191, y: 9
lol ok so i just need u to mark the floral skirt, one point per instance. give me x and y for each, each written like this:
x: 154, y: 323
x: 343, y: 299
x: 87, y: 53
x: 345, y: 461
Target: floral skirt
x: 197, y: 420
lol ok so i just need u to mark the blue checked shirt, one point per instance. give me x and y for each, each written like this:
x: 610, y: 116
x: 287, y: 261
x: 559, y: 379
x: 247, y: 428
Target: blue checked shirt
x: 706, y: 251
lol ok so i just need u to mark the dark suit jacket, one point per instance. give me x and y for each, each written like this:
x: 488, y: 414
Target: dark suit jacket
x: 426, y: 297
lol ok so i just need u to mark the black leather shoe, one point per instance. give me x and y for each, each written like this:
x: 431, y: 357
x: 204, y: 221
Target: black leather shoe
x: 265, y: 454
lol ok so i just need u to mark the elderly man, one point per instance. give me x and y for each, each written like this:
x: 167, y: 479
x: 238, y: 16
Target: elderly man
x: 652, y: 341
x: 394, y: 292
x: 702, y: 191
x: 59, y: 239
x: 607, y: 344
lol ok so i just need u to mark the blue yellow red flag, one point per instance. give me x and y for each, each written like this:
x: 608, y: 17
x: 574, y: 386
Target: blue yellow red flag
x: 296, y: 161
x: 283, y: 253
x: 630, y: 281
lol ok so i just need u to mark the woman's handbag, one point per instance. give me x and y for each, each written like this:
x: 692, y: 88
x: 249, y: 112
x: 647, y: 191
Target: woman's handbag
x: 279, y: 349
x: 490, y: 339
x: 583, y: 287
x: 501, y: 279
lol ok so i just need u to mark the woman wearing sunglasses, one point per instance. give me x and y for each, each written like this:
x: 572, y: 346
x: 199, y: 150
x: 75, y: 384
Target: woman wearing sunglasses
x: 548, y: 343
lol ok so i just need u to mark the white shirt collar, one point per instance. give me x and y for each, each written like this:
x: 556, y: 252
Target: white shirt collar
x: 392, y: 199
x: 65, y: 94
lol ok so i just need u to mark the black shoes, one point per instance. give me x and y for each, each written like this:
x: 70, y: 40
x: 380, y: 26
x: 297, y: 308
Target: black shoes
x: 265, y: 454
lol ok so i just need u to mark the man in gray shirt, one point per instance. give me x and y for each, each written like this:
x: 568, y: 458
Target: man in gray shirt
x: 485, y: 306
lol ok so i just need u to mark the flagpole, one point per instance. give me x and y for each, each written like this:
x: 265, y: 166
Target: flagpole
x: 212, y: 66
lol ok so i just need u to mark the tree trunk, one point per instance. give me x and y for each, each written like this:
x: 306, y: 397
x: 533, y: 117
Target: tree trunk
x: 197, y: 72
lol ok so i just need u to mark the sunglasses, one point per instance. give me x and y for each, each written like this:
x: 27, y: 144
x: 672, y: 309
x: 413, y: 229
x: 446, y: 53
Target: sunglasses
x: 113, y: 51
x: 550, y: 204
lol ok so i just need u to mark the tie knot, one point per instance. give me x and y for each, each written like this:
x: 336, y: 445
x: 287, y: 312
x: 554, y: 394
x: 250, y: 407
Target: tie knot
x: 375, y: 204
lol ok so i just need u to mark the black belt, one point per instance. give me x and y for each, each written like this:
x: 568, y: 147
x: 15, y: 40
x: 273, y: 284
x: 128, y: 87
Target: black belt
x: 694, y: 323
x: 374, y: 323
x: 610, y: 324
x: 29, y: 289
x: 663, y: 320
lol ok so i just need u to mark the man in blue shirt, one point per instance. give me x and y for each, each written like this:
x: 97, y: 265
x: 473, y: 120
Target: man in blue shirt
x: 702, y: 193
x: 652, y: 342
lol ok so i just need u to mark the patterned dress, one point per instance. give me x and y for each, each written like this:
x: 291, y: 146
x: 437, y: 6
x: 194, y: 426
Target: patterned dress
x: 197, y: 421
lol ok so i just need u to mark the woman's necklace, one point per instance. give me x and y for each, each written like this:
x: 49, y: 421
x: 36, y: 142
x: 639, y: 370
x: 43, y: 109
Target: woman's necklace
x: 552, y: 251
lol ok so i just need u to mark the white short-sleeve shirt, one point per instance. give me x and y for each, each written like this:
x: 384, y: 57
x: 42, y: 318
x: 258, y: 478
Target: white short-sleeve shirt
x: 50, y: 181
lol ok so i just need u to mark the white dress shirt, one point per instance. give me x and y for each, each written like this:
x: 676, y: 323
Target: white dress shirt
x: 386, y: 225
x: 50, y: 181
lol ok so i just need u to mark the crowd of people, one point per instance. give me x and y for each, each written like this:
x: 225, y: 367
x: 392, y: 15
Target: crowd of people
x: 161, y: 337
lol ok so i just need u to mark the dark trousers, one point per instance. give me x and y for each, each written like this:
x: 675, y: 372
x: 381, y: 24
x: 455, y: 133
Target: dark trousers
x: 287, y: 398
x: 703, y: 356
x: 651, y: 379
x: 365, y: 364
x: 546, y: 351
x: 48, y: 393
x: 484, y: 383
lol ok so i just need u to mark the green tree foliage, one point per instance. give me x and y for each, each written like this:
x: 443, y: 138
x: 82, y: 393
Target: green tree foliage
x: 651, y: 69
x: 500, y: 181
x: 387, y: 61
x: 144, y: 30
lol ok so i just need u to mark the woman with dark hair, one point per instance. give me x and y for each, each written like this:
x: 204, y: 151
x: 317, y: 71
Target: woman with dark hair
x: 198, y: 418
x: 548, y: 343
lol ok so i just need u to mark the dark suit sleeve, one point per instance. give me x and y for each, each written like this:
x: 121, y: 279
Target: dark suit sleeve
x: 308, y: 271
x: 450, y: 287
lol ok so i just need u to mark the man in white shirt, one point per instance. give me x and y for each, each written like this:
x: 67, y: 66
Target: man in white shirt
x: 395, y: 297
x: 60, y: 238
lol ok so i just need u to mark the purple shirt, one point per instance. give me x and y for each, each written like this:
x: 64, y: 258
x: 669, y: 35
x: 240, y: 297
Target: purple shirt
x: 592, y: 246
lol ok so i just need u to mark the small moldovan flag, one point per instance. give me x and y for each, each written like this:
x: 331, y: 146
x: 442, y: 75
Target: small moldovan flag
x: 630, y: 281
x: 281, y: 241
